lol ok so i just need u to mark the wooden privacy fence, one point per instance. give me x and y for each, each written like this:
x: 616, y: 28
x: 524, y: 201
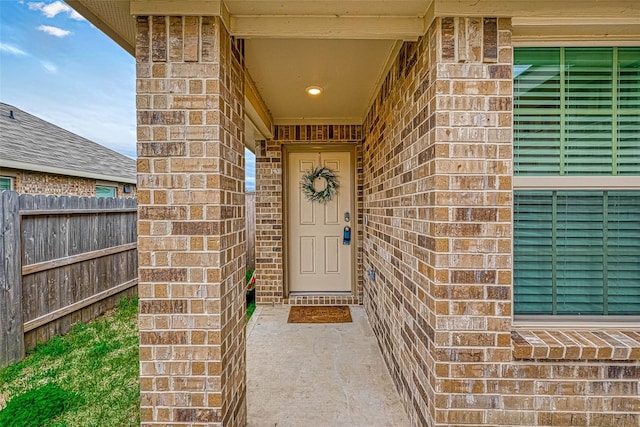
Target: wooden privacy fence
x: 64, y: 260
x: 250, y: 203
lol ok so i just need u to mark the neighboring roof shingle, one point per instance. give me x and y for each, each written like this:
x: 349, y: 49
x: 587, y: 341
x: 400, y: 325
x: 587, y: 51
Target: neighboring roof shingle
x: 26, y: 139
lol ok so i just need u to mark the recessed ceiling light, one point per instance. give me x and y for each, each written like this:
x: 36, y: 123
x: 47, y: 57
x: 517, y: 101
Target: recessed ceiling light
x: 314, y: 90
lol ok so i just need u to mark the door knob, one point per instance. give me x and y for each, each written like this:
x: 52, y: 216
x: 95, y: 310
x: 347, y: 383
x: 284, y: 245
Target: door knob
x: 347, y: 217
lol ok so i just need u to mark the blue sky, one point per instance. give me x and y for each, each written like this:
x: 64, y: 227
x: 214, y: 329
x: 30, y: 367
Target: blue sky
x: 56, y: 65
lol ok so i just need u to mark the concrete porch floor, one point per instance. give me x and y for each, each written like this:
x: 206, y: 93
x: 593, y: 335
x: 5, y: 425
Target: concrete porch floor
x: 317, y: 375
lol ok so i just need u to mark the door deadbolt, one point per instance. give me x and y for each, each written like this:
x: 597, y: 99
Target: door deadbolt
x: 347, y: 217
x: 346, y: 236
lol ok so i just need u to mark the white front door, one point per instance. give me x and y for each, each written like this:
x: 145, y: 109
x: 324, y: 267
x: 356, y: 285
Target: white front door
x: 318, y: 259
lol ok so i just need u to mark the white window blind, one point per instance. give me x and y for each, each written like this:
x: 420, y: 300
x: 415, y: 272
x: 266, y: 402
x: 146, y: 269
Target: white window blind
x: 577, y: 111
x: 577, y: 114
x: 5, y: 183
x: 104, y: 191
x: 577, y: 252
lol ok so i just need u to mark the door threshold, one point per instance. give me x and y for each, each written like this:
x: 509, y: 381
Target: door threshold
x: 321, y: 298
x: 319, y: 294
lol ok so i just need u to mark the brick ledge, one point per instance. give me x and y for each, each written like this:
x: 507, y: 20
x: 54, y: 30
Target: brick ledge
x: 575, y: 345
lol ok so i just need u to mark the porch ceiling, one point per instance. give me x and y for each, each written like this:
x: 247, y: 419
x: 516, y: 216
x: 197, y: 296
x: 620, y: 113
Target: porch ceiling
x: 345, y: 45
x: 347, y: 70
x: 342, y: 46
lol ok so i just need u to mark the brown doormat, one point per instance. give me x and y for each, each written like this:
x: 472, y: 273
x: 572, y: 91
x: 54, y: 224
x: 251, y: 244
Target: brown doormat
x: 319, y: 314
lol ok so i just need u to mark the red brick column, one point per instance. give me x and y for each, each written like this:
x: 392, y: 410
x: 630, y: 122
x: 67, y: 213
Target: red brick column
x: 191, y: 222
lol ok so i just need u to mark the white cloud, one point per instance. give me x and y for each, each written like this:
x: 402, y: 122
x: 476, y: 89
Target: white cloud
x: 12, y: 49
x: 51, y: 68
x: 52, y: 9
x: 35, y: 5
x: 75, y: 15
x: 54, y: 31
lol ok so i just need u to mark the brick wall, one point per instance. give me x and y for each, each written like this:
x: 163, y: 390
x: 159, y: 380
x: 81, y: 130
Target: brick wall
x: 191, y: 222
x: 29, y: 182
x: 269, y: 209
x: 438, y: 195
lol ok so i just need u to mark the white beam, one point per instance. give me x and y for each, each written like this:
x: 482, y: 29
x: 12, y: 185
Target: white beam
x: 180, y: 8
x: 574, y: 21
x: 539, y: 8
x: 251, y: 134
x: 328, y: 27
x: 595, y: 31
x: 255, y: 107
x: 257, y: 120
x: 172, y: 7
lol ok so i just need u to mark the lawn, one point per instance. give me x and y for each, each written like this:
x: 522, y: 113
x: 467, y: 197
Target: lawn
x: 251, y: 295
x: 86, y: 378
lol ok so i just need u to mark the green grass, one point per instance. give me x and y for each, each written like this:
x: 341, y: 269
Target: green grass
x: 251, y: 306
x: 250, y: 309
x: 88, y: 377
x: 44, y: 403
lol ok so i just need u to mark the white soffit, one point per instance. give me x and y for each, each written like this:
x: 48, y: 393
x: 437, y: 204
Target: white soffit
x: 347, y: 71
x: 111, y: 17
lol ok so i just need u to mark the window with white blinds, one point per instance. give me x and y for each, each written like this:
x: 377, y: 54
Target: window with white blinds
x: 577, y: 252
x: 577, y: 115
x: 6, y: 183
x: 577, y: 111
x: 105, y: 191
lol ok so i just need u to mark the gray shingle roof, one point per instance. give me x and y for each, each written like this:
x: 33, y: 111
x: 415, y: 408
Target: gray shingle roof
x: 43, y: 146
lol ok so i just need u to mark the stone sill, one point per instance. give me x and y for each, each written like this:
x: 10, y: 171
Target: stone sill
x: 543, y: 344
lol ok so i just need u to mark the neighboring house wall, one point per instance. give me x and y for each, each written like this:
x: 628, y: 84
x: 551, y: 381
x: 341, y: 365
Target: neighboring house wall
x: 30, y: 182
x: 270, y: 212
x: 442, y: 311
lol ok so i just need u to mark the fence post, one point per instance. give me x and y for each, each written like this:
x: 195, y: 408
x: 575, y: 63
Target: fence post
x: 11, y: 325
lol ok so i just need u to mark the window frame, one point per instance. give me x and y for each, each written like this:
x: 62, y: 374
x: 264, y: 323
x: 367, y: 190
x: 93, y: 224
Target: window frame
x: 570, y: 182
x: 11, y: 180
x: 114, y: 187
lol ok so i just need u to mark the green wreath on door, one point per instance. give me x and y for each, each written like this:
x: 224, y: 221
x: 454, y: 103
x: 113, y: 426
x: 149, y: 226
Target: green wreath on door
x: 308, y: 184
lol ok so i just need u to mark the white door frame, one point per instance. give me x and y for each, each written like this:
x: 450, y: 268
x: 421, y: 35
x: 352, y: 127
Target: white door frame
x: 355, y: 215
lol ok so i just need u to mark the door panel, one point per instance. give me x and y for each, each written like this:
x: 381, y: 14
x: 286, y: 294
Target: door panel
x: 318, y: 261
x: 307, y: 254
x: 307, y: 213
x: 331, y: 255
x: 331, y: 215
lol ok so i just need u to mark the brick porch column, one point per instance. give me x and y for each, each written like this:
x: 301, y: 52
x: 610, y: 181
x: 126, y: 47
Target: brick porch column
x: 472, y: 217
x: 191, y: 222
